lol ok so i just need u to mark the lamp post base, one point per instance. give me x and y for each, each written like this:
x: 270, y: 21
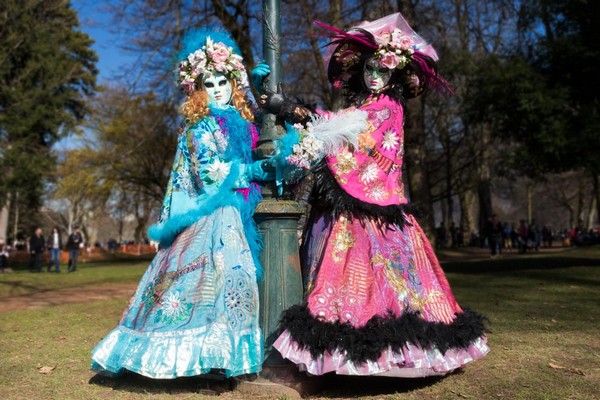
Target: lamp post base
x: 282, y: 381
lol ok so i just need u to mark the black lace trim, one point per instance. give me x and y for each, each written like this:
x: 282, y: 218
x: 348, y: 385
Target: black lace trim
x: 330, y: 196
x: 367, y: 343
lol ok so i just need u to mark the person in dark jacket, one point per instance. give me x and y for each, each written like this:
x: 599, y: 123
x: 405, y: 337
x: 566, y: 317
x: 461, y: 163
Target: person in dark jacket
x: 493, y: 231
x: 3, y: 258
x: 36, y: 248
x: 73, y: 244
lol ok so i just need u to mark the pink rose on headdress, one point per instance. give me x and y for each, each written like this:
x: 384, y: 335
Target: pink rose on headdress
x: 188, y: 86
x: 236, y: 64
x: 382, y: 39
x: 219, y: 53
x: 414, y: 80
x: 401, y: 41
x: 389, y: 60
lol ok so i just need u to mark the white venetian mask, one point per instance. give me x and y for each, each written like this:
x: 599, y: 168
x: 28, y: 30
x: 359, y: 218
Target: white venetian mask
x: 218, y: 88
x: 375, y: 75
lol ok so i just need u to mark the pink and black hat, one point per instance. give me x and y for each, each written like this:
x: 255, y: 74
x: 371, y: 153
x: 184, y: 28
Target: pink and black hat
x: 396, y: 45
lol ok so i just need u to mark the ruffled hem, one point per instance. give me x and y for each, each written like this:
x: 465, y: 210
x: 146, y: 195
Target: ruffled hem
x: 170, y: 355
x: 367, y: 342
x: 411, y: 362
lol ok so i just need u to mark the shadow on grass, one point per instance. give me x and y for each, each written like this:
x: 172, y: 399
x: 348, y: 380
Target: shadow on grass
x: 20, y: 284
x: 331, y: 385
x: 117, y: 258
x: 340, y: 386
x: 517, y: 264
x: 134, y: 383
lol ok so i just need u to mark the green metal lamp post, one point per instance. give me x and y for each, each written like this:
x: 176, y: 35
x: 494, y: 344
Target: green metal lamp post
x: 281, y: 286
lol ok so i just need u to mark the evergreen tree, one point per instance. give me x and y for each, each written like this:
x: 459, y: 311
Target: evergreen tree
x: 47, y: 69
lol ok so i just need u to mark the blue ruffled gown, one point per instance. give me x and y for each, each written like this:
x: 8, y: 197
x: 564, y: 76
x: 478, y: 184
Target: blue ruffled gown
x: 196, y: 307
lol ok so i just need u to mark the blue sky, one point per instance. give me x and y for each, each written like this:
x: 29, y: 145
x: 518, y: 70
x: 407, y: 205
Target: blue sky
x: 97, y: 24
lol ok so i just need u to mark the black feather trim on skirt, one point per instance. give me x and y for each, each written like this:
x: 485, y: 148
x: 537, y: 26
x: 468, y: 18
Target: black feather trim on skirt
x: 329, y: 195
x: 366, y: 343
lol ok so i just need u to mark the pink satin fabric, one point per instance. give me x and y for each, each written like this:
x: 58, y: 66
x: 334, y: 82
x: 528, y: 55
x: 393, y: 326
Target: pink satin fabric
x: 373, y: 172
x: 366, y: 271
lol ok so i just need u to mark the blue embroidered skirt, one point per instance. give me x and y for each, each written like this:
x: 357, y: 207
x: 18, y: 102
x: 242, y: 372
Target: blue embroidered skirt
x: 195, y: 309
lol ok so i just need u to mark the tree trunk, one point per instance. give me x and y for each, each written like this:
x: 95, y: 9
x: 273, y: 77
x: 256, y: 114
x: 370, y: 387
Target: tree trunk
x: 529, y: 202
x: 416, y: 165
x: 591, y: 214
x: 92, y: 226
x: 335, y: 18
x: 580, y: 205
x: 467, y: 200
x: 484, y: 186
x: 4, y: 221
x: 484, y: 192
x: 449, y: 197
x: 444, y: 211
x: 16, y: 222
x: 596, y: 181
x: 140, y: 228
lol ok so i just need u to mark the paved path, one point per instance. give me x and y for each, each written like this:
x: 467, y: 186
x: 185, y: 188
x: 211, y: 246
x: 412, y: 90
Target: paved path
x: 119, y: 291
x: 66, y: 296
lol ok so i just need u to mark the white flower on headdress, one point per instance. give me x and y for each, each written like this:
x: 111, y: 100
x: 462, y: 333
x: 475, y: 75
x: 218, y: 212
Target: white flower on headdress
x: 218, y: 170
x: 401, y: 41
x: 390, y: 140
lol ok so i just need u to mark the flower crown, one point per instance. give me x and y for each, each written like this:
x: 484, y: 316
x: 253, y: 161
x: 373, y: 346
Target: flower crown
x: 213, y: 57
x: 395, y: 49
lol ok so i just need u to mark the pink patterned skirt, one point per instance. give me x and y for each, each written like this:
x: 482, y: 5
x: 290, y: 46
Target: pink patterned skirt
x: 377, y: 303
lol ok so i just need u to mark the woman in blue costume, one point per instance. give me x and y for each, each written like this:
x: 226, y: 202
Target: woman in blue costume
x: 196, y: 308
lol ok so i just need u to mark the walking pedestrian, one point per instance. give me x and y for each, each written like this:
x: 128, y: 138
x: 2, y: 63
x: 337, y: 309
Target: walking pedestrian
x: 55, y: 246
x: 36, y: 248
x: 74, y: 242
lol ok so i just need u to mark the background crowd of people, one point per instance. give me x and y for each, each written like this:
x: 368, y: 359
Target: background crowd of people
x: 522, y: 237
x: 498, y: 236
x: 38, y: 244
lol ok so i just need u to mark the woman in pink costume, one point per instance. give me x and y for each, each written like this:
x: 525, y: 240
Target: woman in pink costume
x: 377, y: 301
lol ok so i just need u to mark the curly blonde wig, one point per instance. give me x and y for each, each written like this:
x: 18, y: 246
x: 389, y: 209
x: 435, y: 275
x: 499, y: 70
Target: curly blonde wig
x: 195, y: 106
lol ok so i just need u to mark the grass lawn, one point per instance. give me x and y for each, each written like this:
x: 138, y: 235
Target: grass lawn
x: 544, y: 339
x: 23, y: 282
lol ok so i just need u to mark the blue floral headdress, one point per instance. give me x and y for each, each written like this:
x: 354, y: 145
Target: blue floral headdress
x: 208, y: 51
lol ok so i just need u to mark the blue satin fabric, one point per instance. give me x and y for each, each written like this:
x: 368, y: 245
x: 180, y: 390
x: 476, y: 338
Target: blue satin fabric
x: 195, y: 309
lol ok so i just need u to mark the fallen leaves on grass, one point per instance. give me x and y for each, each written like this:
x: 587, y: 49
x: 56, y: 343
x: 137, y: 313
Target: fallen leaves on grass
x: 459, y: 394
x: 572, y: 370
x: 45, y: 370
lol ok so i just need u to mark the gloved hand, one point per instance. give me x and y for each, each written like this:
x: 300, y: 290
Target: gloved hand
x: 279, y: 104
x: 260, y: 170
x: 276, y: 102
x: 258, y: 75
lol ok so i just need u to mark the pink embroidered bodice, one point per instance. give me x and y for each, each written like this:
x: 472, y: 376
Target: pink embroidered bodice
x: 373, y: 172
